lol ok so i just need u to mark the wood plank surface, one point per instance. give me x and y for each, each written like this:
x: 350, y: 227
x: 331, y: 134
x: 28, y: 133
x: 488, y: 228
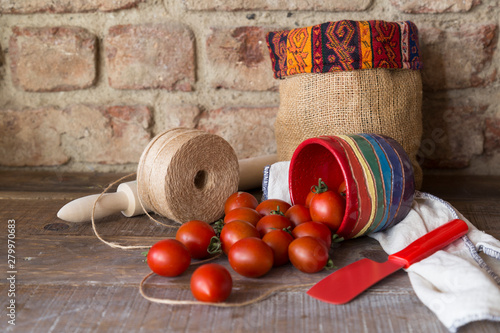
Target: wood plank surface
x: 69, y: 281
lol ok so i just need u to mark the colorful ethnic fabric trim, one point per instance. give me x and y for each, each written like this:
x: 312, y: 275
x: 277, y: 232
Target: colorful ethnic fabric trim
x: 343, y: 46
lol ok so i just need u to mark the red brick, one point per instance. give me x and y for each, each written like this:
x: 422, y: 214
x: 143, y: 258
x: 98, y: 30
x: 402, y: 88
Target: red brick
x: 433, y: 6
x: 239, y: 59
x: 453, y: 132
x: 168, y: 115
x: 237, y: 5
x: 150, y: 56
x: 52, y: 58
x: 108, y: 135
x: 63, y: 6
x: 52, y: 136
x: 249, y: 130
x: 492, y: 135
x: 458, y: 58
x: 31, y: 138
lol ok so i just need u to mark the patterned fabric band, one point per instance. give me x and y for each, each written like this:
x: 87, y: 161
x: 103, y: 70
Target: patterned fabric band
x: 343, y: 46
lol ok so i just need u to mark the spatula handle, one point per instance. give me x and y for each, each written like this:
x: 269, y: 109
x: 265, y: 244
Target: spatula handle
x: 430, y: 242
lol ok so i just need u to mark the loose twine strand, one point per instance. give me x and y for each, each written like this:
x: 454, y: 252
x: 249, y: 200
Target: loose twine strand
x: 221, y: 304
x: 113, y: 244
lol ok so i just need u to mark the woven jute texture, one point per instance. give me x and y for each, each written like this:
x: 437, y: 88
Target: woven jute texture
x: 379, y: 100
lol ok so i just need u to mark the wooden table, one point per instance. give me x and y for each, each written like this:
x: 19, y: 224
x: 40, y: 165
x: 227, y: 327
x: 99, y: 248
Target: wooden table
x: 67, y: 280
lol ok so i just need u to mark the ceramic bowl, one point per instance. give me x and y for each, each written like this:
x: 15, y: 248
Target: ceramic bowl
x: 378, y: 173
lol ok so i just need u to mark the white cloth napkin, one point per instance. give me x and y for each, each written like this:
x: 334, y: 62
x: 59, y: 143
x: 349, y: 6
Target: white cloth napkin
x: 458, y: 284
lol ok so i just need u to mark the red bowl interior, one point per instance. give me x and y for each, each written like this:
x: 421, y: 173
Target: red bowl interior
x: 324, y: 158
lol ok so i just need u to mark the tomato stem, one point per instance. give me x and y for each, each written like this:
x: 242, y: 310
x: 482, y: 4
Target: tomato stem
x: 145, y: 253
x: 288, y: 229
x: 320, y: 188
x: 329, y: 265
x: 218, y: 225
x: 215, y: 245
x: 337, y: 239
x: 277, y: 212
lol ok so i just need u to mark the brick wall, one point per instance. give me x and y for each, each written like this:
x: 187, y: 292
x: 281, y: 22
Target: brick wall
x: 84, y: 85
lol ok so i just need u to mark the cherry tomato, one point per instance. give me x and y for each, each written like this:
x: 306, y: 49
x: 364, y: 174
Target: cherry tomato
x: 308, y: 254
x: 328, y: 207
x: 314, y: 229
x: 298, y: 214
x: 196, y: 236
x: 278, y: 241
x: 235, y: 231
x: 211, y: 283
x: 309, y: 197
x: 251, y: 257
x: 168, y: 257
x: 240, y: 199
x: 271, y: 222
x: 269, y: 205
x: 244, y: 214
x: 342, y: 189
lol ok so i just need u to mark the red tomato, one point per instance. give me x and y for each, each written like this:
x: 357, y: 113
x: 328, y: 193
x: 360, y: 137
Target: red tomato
x: 235, y: 231
x: 271, y: 222
x: 196, y: 236
x: 298, y: 214
x: 314, y: 229
x: 342, y: 189
x: 328, y: 207
x: 240, y: 199
x: 278, y: 241
x: 211, y: 283
x: 168, y: 257
x: 251, y: 257
x: 309, y: 197
x: 308, y: 254
x: 243, y: 214
x: 321, y: 187
x: 269, y: 205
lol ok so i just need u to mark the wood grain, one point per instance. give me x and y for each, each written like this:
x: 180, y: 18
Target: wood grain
x: 70, y: 281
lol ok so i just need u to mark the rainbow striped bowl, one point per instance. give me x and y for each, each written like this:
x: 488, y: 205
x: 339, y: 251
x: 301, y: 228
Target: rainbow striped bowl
x: 378, y: 173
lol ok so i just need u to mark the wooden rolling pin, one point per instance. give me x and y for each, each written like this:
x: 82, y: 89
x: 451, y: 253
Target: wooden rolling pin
x: 126, y: 199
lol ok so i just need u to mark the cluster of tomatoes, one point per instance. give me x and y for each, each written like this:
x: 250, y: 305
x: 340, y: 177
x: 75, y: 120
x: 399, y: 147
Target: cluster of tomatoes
x: 255, y: 237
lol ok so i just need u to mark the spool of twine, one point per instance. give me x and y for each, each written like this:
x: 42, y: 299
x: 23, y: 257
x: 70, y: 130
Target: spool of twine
x: 187, y: 174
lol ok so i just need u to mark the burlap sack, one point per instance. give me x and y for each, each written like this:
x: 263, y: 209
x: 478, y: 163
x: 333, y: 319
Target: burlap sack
x: 348, y: 98
x: 381, y: 101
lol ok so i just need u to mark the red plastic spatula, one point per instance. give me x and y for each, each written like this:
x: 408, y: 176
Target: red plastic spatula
x: 348, y: 282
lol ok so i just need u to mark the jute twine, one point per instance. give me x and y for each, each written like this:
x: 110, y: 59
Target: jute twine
x: 183, y: 174
x: 187, y: 174
x: 259, y: 298
x: 380, y: 101
x: 92, y: 219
